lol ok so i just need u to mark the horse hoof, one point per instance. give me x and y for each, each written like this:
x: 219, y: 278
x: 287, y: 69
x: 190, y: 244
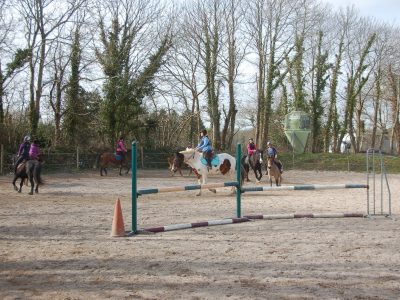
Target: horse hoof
x: 15, y: 188
x: 213, y: 190
x: 19, y: 191
x: 30, y: 193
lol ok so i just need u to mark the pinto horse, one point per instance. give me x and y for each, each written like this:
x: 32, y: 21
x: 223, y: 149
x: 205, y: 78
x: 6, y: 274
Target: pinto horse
x: 30, y: 170
x: 111, y: 159
x: 255, y: 162
x: 176, y: 164
x: 222, y: 163
x: 273, y: 171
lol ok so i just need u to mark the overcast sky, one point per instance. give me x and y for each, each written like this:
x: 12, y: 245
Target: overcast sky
x: 385, y: 10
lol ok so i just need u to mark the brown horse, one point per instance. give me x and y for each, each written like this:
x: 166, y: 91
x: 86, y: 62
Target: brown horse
x: 273, y: 171
x: 111, y: 159
x: 176, y: 164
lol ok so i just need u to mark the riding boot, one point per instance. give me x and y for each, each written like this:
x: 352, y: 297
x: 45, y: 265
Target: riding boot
x: 209, y: 166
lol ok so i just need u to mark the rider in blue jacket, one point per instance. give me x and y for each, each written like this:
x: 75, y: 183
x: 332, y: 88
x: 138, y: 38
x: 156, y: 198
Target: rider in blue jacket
x: 205, y: 147
x: 272, y: 152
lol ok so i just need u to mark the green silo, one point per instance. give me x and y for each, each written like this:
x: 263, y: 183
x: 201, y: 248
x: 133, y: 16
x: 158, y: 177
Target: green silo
x: 297, y: 129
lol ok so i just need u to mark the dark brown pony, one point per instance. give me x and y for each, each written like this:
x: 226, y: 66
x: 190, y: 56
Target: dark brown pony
x: 255, y: 162
x: 30, y: 170
x: 108, y: 159
x: 176, y: 164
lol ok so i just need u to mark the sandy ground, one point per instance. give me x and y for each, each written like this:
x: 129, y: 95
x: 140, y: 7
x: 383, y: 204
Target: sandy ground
x: 57, y: 244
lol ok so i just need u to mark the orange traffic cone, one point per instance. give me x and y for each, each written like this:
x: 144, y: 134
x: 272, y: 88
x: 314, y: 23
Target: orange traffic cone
x: 118, y: 228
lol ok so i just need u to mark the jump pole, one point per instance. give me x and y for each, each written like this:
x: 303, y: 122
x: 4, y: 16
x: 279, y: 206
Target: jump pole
x: 304, y: 187
x: 306, y: 215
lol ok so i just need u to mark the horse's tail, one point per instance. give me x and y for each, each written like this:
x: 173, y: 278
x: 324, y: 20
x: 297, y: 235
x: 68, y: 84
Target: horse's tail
x: 97, y: 161
x: 37, y: 171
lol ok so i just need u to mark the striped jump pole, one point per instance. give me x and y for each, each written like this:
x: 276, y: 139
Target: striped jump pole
x: 194, y: 225
x: 306, y: 215
x: 304, y: 187
x: 190, y: 187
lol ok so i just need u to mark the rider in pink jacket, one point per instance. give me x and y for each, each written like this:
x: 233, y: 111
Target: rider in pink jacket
x: 34, y: 150
x: 121, y: 149
x: 251, y: 147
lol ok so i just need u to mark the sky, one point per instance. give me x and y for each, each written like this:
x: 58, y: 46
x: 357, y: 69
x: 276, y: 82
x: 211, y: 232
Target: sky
x: 384, y: 10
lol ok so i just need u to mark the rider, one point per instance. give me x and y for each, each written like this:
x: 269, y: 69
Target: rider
x: 34, y: 150
x: 121, y: 149
x: 251, y: 148
x: 23, y: 152
x: 205, y: 147
x: 272, y: 152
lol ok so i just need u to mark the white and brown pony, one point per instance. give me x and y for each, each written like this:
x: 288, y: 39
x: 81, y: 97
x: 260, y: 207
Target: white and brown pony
x: 222, y: 163
x: 273, y: 171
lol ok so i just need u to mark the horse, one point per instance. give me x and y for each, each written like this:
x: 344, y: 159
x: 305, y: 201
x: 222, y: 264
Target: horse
x: 176, y: 163
x: 255, y: 162
x: 30, y: 170
x: 222, y: 163
x: 273, y: 171
x: 111, y: 159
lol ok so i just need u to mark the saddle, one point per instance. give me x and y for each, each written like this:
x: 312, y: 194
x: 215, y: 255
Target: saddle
x: 21, y: 166
x: 212, y: 156
x: 118, y: 157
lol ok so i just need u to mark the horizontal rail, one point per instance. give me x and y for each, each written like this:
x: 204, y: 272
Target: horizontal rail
x: 304, y: 187
x: 185, y: 188
x: 307, y: 215
x: 193, y: 225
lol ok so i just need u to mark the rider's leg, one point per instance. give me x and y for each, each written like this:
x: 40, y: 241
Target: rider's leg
x: 19, y: 160
x: 208, y: 158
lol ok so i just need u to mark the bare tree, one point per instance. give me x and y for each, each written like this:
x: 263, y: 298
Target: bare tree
x: 235, y: 53
x: 269, y: 26
x: 42, y: 19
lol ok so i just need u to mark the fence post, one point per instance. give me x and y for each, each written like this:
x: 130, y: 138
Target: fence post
x: 142, y: 156
x: 238, y: 179
x: 77, y: 157
x: 134, y: 187
x: 1, y: 158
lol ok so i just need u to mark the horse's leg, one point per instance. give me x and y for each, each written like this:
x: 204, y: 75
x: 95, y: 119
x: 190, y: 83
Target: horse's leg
x: 199, y: 181
x: 255, y: 173
x: 14, y: 180
x: 20, y: 185
x: 101, y: 171
x: 247, y: 169
x: 37, y: 179
x: 30, y: 176
x: 127, y: 170
x: 270, y: 177
x: 202, y: 180
x: 259, y: 172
